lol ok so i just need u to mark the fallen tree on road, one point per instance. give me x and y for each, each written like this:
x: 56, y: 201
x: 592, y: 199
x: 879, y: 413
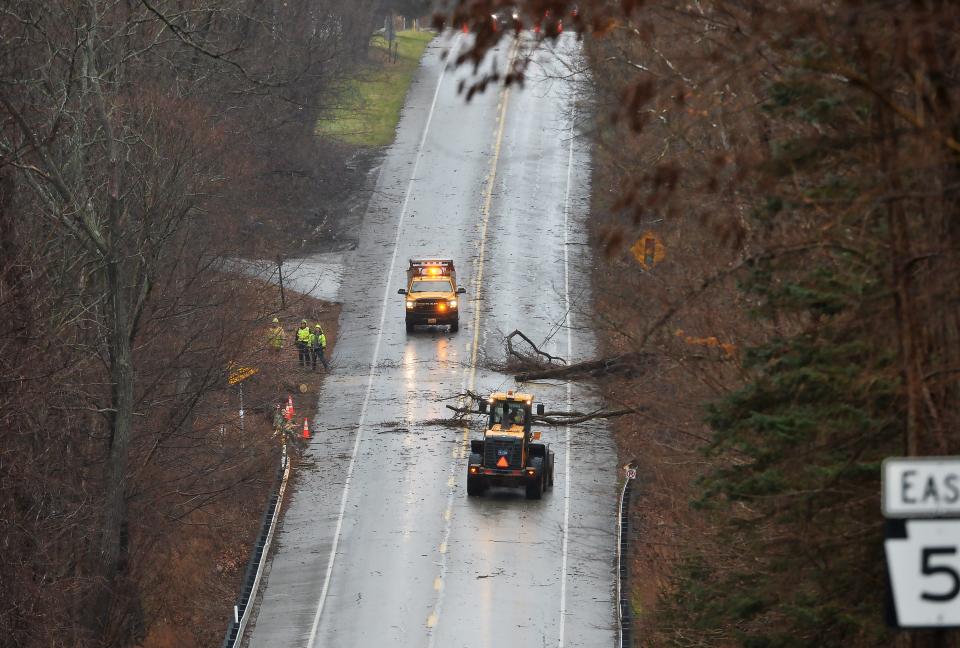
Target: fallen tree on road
x: 628, y: 364
x: 557, y: 418
x: 535, y: 369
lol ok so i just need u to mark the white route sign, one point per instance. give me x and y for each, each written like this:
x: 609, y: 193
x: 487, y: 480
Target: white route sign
x: 916, y: 487
x: 924, y: 571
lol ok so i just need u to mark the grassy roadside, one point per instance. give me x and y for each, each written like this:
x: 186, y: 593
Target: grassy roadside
x: 371, y: 108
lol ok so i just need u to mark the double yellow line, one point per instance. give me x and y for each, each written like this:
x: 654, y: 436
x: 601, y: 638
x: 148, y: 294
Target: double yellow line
x: 485, y: 221
x: 459, y: 452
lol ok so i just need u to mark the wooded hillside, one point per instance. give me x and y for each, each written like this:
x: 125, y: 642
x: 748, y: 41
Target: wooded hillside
x: 798, y: 162
x: 141, y: 143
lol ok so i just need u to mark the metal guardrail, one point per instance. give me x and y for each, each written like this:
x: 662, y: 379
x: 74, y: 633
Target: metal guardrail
x: 251, y: 580
x: 624, y: 612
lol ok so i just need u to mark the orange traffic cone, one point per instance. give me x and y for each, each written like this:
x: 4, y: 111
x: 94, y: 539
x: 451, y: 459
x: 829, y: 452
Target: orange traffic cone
x: 464, y: 28
x: 306, y: 429
x: 288, y: 411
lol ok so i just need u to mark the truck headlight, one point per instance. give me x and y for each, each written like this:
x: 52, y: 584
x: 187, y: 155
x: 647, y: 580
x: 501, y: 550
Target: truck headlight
x: 453, y: 303
x: 410, y: 305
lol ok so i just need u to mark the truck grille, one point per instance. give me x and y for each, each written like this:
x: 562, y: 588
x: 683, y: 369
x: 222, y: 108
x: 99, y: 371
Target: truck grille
x: 426, y: 305
x: 493, y: 449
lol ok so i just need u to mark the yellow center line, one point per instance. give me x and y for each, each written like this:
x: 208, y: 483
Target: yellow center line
x: 485, y: 214
x: 478, y: 282
x: 485, y: 222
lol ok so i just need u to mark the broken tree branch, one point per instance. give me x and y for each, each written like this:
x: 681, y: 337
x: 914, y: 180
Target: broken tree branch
x: 575, y: 418
x: 627, y: 363
x: 558, y: 418
x: 523, y: 357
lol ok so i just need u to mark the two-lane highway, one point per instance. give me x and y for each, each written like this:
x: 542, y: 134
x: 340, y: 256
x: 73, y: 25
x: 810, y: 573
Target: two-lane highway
x: 380, y: 544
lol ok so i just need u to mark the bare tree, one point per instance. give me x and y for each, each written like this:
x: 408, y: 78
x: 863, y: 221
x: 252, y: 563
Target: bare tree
x: 128, y: 131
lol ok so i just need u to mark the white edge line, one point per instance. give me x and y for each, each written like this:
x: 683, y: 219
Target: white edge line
x: 376, y: 354
x: 566, y: 458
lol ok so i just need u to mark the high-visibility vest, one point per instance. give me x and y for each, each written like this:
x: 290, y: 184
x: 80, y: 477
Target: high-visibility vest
x: 276, y: 337
x: 318, y: 341
x: 303, y: 335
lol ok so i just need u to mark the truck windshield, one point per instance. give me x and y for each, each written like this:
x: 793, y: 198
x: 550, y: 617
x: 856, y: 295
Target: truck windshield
x: 507, y: 414
x: 431, y: 286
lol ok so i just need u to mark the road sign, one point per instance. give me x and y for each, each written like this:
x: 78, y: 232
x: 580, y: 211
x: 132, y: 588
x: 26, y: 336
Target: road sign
x: 924, y: 568
x: 648, y: 250
x: 238, y: 374
x: 916, y: 487
x: 631, y: 473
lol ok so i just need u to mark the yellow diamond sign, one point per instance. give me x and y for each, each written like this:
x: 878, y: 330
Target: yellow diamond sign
x: 648, y: 251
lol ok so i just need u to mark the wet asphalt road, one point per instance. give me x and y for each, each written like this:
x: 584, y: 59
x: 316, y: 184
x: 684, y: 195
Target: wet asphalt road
x: 380, y: 545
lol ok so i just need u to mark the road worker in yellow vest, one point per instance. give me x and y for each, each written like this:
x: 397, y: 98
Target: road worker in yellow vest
x: 275, y: 336
x: 303, y: 343
x: 318, y: 345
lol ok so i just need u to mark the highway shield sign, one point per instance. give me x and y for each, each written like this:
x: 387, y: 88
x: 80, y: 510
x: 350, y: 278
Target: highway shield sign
x: 923, y: 561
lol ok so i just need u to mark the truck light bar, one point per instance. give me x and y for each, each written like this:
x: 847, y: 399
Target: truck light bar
x: 431, y: 267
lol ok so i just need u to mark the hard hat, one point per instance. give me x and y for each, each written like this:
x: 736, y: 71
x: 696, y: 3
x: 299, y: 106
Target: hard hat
x: 304, y: 322
x: 318, y: 326
x: 276, y: 321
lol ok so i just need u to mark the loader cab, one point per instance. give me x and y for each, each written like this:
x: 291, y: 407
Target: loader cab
x: 509, y: 411
x: 508, y: 414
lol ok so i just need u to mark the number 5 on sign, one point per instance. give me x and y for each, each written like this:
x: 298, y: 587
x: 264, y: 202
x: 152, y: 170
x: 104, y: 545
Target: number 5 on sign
x: 925, y: 574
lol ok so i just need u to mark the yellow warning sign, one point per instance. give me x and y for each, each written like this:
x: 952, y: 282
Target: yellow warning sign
x: 239, y: 374
x: 648, y: 250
